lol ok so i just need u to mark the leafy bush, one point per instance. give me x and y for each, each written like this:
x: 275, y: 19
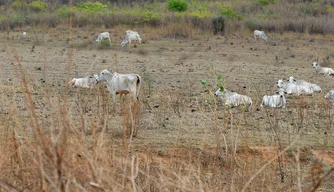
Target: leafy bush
x: 63, y: 11
x: 37, y: 6
x: 91, y: 7
x: 18, y: 5
x: 17, y: 19
x: 177, y: 5
x: 104, y: 44
x: 230, y: 14
x: 265, y: 2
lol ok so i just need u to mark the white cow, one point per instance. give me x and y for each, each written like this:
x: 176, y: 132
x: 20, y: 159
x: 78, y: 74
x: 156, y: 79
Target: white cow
x: 276, y: 101
x: 128, y: 32
x: 260, y: 34
x: 24, y: 34
x: 233, y: 99
x: 104, y: 35
x: 322, y: 70
x: 87, y: 82
x: 131, y: 36
x: 292, y: 88
x: 315, y: 87
x: 121, y: 83
x: 330, y: 96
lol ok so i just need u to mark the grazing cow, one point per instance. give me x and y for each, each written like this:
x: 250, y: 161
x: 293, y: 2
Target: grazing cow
x: 104, y: 35
x: 260, y: 34
x: 233, y: 99
x: 87, y: 82
x: 276, y: 101
x: 121, y: 83
x: 131, y: 36
x: 322, y: 70
x: 24, y: 34
x: 330, y: 96
x: 292, y: 88
x: 315, y: 87
x: 128, y: 32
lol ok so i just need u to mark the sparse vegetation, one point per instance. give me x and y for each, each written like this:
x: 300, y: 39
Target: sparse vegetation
x: 56, y: 138
x: 269, y: 15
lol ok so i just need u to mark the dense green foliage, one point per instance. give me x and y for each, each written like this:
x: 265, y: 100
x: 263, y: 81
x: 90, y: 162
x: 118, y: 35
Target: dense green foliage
x: 230, y: 14
x: 177, y: 5
x: 91, y: 7
x: 35, y: 6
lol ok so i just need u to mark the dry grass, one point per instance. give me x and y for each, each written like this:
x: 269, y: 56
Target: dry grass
x: 56, y: 138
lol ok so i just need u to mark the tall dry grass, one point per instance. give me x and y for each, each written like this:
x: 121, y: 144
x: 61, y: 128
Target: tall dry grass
x: 74, y: 144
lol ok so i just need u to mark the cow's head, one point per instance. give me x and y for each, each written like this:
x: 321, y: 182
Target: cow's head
x: 96, y: 78
x: 103, y: 75
x: 219, y: 92
x: 314, y: 64
x: 292, y: 80
x: 280, y: 92
x: 280, y: 83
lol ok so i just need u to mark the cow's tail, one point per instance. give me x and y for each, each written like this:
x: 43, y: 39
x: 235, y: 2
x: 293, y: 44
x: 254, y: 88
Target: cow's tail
x: 138, y: 85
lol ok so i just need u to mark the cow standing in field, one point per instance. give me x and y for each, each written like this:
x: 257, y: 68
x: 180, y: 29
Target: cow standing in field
x: 121, y: 84
x: 104, y: 35
x: 260, y: 34
x: 124, y: 84
x: 131, y: 36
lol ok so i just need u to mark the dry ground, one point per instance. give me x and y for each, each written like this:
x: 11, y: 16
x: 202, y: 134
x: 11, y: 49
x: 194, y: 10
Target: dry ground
x: 174, y: 119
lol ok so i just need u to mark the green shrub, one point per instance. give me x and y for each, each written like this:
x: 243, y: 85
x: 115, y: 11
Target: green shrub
x: 230, y: 14
x: 91, y: 7
x: 37, y: 6
x: 177, y: 5
x: 18, y: 5
x: 265, y: 2
x: 63, y: 11
x: 17, y: 19
x: 104, y: 44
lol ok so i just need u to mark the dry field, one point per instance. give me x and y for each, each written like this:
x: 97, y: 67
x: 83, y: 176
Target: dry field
x: 183, y: 143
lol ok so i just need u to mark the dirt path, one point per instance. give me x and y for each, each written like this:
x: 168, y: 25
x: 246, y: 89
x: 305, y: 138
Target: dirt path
x: 324, y: 156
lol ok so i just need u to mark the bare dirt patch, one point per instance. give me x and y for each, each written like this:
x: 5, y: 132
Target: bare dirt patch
x: 324, y: 156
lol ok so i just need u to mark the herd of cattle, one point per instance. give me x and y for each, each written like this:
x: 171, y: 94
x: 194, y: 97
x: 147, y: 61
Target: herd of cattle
x: 116, y: 83
x: 130, y: 83
x: 293, y: 86
x: 130, y: 36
